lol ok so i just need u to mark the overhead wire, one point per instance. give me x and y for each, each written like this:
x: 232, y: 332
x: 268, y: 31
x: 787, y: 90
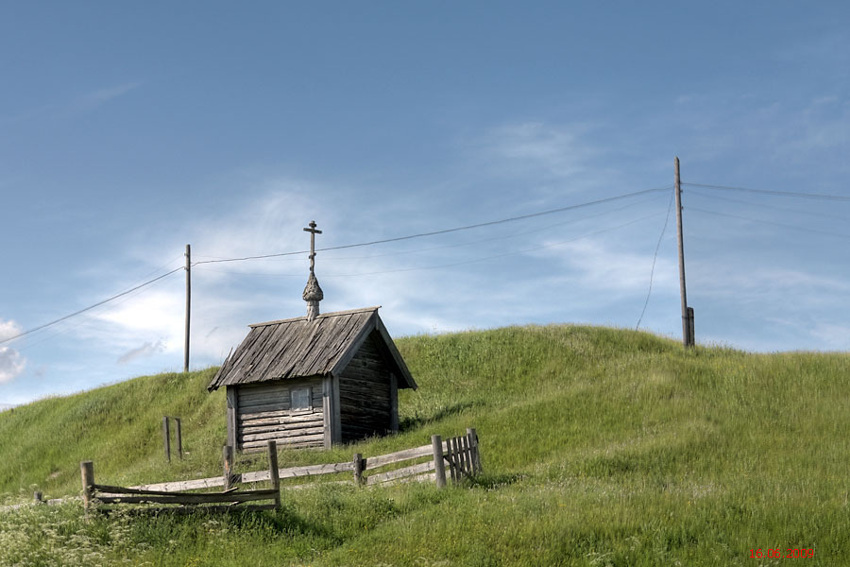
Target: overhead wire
x: 502, y: 255
x: 654, y: 259
x: 57, y: 329
x: 341, y: 247
x: 772, y: 223
x: 433, y: 248
x: 776, y: 193
x: 772, y: 207
x: 90, y: 307
x: 442, y: 231
x: 817, y: 196
x: 496, y: 238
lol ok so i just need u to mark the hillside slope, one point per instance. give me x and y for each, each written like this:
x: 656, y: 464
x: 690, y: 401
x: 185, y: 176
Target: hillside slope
x: 119, y: 427
x: 600, y: 446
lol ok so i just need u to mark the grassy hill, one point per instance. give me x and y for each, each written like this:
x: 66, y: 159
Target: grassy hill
x: 600, y: 447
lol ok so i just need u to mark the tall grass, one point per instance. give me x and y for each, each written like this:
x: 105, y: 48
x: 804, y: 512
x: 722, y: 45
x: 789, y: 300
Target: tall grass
x: 118, y: 427
x: 600, y: 446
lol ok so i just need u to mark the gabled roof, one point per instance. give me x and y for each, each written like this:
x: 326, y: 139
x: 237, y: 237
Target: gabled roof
x: 295, y: 348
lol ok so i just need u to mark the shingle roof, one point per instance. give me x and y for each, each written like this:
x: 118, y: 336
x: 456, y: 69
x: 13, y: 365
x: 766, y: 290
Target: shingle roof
x: 294, y: 348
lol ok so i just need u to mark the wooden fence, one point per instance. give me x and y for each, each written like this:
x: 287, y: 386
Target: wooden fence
x: 211, y: 501
x: 166, y: 436
x: 460, y: 455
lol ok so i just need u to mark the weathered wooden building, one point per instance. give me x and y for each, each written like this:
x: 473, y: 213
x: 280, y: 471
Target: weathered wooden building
x: 313, y: 381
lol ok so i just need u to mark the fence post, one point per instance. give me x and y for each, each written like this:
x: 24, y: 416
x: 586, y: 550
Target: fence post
x: 274, y: 473
x: 466, y: 461
x: 87, y: 473
x: 691, y: 332
x: 179, y: 434
x: 457, y: 463
x: 472, y: 435
x: 454, y: 462
x: 449, y: 460
x: 227, y: 465
x: 166, y: 438
x: 439, y: 463
x: 358, y: 469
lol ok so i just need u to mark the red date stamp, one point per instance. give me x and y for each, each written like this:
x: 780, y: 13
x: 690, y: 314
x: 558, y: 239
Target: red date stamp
x: 782, y: 554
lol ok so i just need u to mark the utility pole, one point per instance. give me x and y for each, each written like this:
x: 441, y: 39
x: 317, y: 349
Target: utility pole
x: 687, y: 312
x: 188, y: 305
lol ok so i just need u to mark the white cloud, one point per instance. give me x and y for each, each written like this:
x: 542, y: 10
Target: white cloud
x: 147, y: 327
x: 597, y: 266
x: 832, y: 336
x: 12, y: 363
x: 226, y: 297
x: 9, y: 329
x: 772, y: 285
x: 539, y: 149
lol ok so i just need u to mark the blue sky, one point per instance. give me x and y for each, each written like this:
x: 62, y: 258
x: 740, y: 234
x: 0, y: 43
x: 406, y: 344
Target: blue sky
x: 130, y: 131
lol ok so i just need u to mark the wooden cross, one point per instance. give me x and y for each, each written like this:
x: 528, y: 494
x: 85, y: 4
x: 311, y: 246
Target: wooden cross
x: 313, y: 232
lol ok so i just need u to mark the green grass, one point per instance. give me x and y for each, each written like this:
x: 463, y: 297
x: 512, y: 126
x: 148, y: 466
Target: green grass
x: 600, y: 447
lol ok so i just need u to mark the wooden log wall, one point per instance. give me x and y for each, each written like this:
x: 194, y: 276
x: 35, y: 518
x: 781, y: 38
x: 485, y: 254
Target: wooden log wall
x: 365, y: 395
x: 264, y: 412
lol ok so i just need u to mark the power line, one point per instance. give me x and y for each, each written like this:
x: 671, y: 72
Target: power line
x: 89, y: 308
x: 70, y: 327
x: 773, y: 208
x: 443, y: 231
x: 535, y: 230
x: 245, y: 258
x: 462, y: 262
x: 538, y: 229
x: 818, y: 196
x: 502, y: 255
x: 343, y: 247
x: 654, y: 259
x: 750, y: 219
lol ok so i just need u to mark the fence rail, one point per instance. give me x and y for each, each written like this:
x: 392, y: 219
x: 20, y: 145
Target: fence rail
x: 211, y: 501
x: 460, y: 455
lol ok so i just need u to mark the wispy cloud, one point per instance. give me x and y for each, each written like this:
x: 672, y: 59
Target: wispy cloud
x: 148, y: 327
x: 432, y: 285
x: 143, y: 351
x: 731, y: 280
x: 791, y: 136
x: 832, y: 336
x: 80, y: 104
x: 539, y: 149
x: 99, y: 97
x: 598, y: 266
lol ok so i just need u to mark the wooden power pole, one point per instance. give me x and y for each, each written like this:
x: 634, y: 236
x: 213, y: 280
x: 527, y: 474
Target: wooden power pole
x: 687, y: 312
x: 188, y: 306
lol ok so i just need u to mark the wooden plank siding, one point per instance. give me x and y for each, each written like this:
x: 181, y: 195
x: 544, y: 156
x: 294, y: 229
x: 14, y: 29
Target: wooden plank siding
x: 264, y: 413
x: 365, y: 393
x: 348, y: 360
